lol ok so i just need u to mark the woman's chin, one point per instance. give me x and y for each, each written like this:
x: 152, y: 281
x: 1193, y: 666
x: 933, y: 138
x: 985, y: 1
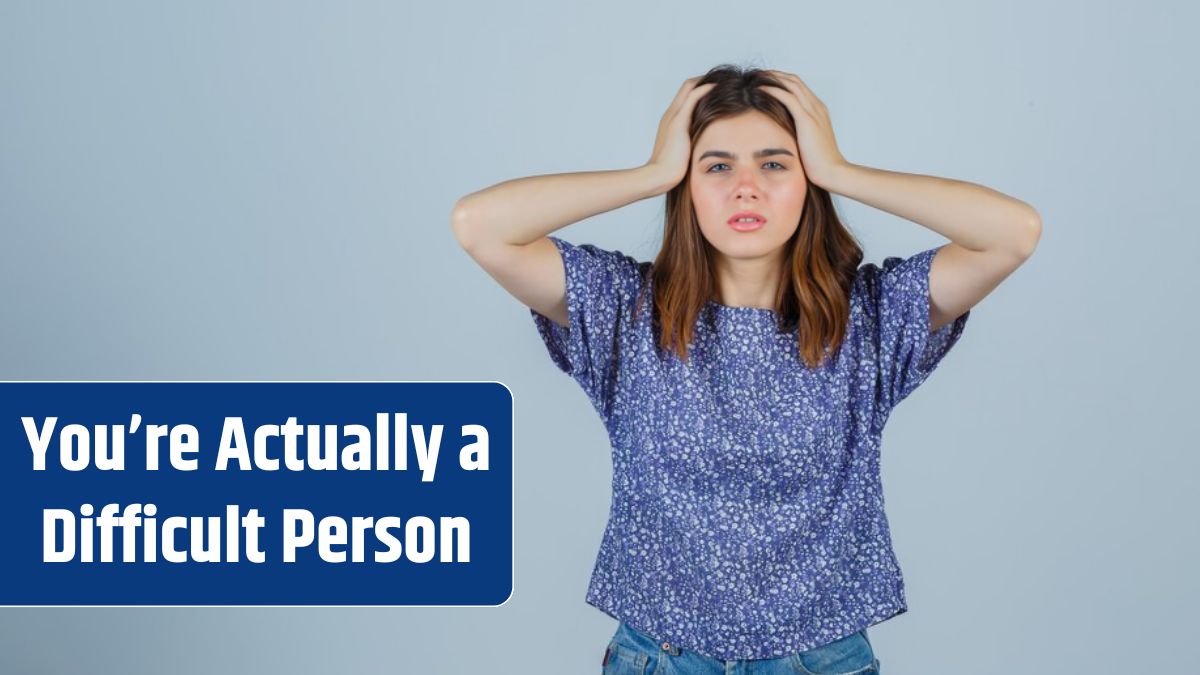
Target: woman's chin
x: 747, y: 246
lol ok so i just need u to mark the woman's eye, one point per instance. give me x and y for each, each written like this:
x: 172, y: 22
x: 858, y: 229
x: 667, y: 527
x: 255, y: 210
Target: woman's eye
x: 710, y: 169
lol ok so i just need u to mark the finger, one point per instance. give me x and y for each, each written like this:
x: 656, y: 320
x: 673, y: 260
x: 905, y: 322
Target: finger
x: 689, y: 103
x: 684, y: 103
x: 782, y: 76
x: 805, y: 93
x: 816, y: 102
x: 789, y: 99
x: 695, y: 94
x: 680, y: 96
x: 688, y: 86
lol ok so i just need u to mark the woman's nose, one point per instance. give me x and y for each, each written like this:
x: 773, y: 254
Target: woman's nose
x: 746, y: 184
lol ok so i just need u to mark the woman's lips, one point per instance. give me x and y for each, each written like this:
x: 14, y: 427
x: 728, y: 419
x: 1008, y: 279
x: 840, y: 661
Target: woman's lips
x: 746, y: 226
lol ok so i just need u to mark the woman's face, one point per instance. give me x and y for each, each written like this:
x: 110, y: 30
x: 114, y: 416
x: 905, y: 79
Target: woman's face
x: 728, y: 178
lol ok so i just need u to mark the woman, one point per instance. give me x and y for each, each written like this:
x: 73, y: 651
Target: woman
x: 745, y: 375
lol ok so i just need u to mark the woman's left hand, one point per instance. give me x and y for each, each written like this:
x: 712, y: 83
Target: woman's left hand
x: 819, y: 154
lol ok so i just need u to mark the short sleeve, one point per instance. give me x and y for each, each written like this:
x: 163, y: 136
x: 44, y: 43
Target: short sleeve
x: 897, y: 299
x: 601, y: 286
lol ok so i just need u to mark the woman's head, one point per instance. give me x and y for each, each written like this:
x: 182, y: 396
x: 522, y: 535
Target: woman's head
x: 745, y: 159
x: 731, y: 126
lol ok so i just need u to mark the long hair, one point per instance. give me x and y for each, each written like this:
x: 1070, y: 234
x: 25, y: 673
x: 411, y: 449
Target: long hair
x: 821, y: 258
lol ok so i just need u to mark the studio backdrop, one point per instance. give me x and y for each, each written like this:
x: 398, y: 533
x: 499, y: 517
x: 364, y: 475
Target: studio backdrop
x: 229, y: 245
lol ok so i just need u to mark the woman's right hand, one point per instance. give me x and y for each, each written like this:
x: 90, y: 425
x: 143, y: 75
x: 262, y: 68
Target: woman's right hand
x: 673, y: 146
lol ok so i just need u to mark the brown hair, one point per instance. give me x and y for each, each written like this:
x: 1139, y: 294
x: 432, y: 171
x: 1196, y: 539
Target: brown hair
x: 820, y: 260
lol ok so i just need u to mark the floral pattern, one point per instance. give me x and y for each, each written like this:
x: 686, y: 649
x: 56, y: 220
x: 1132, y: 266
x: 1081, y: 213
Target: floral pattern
x: 747, y: 517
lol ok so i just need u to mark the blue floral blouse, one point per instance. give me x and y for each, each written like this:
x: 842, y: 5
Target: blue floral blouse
x: 747, y: 517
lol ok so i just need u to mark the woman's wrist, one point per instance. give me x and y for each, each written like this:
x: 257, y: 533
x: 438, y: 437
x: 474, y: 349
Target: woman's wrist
x: 656, y: 179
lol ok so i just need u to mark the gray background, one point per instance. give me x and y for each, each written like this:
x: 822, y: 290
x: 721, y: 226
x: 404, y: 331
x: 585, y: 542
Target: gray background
x: 262, y: 191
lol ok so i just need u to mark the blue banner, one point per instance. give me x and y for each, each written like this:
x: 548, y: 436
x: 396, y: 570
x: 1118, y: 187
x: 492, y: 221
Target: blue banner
x: 256, y: 493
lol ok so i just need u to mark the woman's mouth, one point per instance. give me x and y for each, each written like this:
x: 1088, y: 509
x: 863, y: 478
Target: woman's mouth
x: 746, y: 221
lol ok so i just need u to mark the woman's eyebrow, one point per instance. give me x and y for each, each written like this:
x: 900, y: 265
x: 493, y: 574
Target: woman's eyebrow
x: 765, y: 152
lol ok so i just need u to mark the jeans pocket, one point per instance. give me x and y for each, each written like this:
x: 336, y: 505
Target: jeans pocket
x: 850, y: 655
x: 623, y: 659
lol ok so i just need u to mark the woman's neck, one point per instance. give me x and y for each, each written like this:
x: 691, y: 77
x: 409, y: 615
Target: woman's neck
x: 748, y: 282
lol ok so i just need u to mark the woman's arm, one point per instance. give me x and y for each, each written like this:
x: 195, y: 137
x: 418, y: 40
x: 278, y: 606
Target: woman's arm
x: 991, y: 234
x: 504, y: 227
x: 970, y: 215
x: 520, y: 211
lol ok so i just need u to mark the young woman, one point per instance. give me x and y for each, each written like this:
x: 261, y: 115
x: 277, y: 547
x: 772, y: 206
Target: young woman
x: 745, y: 375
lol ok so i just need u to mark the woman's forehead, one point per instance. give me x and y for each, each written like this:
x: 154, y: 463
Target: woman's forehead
x: 744, y: 134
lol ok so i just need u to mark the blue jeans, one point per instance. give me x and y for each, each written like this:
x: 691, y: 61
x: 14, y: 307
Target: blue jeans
x: 631, y: 652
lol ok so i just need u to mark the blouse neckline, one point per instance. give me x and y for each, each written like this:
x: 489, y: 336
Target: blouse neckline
x: 730, y: 309
x: 755, y: 318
